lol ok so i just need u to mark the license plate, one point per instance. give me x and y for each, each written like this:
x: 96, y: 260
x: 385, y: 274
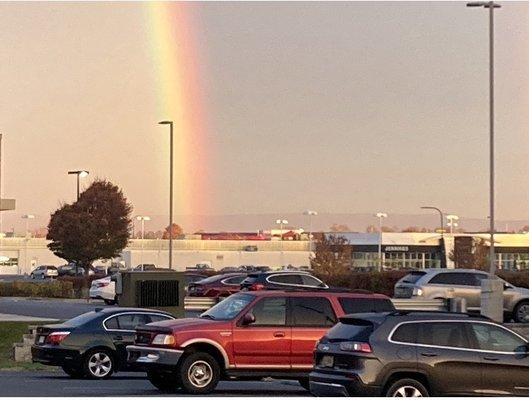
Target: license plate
x: 327, y: 361
x: 42, y: 339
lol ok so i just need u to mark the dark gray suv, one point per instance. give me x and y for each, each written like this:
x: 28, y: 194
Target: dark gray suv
x: 413, y: 354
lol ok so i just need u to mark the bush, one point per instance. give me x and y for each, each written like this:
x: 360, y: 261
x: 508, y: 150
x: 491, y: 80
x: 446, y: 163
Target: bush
x: 56, y: 289
x: 516, y: 278
x: 376, y: 282
x: 79, y: 282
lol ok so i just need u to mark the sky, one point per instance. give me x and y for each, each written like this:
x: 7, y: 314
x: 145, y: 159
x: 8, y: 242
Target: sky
x: 278, y: 107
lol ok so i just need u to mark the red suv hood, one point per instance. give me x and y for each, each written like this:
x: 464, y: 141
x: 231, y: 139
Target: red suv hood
x: 188, y: 323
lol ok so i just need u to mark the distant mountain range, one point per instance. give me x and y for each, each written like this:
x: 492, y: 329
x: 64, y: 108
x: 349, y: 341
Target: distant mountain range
x: 255, y: 222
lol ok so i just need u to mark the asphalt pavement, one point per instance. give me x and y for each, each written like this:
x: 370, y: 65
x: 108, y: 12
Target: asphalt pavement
x: 58, y: 384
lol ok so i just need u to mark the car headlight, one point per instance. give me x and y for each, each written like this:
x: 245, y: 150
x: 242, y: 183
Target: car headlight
x: 164, y: 340
x: 417, y: 292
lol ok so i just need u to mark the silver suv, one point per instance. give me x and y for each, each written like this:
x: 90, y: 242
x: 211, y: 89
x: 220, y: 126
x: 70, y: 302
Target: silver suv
x: 464, y: 283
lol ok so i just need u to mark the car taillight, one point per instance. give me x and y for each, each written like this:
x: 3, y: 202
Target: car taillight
x: 360, y: 347
x: 257, y: 286
x: 56, y: 337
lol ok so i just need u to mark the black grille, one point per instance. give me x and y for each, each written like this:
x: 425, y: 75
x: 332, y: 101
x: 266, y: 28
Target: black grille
x: 157, y: 293
x: 143, y: 338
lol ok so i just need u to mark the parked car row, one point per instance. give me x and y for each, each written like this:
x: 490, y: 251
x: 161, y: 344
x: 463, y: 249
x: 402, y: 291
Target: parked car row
x: 335, y: 343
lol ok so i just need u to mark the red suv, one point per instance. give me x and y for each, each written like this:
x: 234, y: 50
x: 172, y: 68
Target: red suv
x: 249, y: 335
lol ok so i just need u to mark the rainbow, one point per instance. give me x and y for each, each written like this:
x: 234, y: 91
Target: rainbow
x: 177, y: 63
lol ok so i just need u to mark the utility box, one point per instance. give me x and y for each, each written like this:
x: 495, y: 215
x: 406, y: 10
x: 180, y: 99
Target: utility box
x: 161, y: 290
x: 492, y: 299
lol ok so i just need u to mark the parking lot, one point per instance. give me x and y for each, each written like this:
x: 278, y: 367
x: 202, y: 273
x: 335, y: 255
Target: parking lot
x: 52, y: 384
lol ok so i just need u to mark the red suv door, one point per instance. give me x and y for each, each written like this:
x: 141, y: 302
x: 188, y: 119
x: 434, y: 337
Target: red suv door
x: 310, y: 318
x: 266, y: 342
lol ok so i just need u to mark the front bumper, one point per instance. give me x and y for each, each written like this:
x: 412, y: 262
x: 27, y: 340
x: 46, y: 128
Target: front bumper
x: 54, y: 356
x: 335, y: 385
x: 153, y: 356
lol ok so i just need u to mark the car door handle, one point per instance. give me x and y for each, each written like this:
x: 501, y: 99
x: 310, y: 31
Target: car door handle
x: 279, y: 334
x: 429, y: 354
x: 491, y: 358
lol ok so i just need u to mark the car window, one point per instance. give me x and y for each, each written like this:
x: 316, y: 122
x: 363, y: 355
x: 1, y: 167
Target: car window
x: 455, y: 278
x: 289, y: 279
x: 112, y: 323
x: 494, y: 338
x: 127, y: 321
x: 271, y: 311
x: 358, y: 331
x: 351, y: 305
x: 479, y: 277
x: 312, y: 311
x: 406, y: 333
x: 446, y: 334
x: 236, y: 280
x: 311, y: 281
x: 157, y: 318
x: 228, y: 308
x: 413, y: 277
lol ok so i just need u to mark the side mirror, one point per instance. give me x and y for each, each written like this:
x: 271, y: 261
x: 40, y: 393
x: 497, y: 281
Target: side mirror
x: 248, y: 319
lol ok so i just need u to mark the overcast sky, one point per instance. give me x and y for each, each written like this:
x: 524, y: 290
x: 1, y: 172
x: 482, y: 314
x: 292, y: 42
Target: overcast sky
x: 338, y: 107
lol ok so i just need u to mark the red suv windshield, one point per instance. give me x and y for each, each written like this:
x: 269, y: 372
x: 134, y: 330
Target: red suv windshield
x: 228, y: 308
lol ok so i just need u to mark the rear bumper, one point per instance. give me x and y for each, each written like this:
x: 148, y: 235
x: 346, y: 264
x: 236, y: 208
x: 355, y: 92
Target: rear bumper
x: 54, y: 356
x: 153, y: 357
x: 334, y: 385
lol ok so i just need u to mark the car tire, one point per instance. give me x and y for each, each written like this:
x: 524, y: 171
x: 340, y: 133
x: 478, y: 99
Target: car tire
x: 199, y: 373
x: 98, y: 364
x: 407, y: 388
x: 165, y: 382
x: 521, y: 312
x: 73, y: 372
x: 305, y: 384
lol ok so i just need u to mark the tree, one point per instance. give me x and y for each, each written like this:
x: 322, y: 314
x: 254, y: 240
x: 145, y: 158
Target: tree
x: 470, y: 253
x: 339, y: 228
x: 415, y: 229
x: 332, y: 256
x: 94, y: 227
x: 175, y: 231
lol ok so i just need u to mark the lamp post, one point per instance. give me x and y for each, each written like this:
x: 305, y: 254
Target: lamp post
x: 440, y: 214
x: 491, y: 6
x: 27, y: 235
x: 452, y: 222
x: 142, y: 218
x: 170, y: 123
x: 380, y: 216
x: 281, y: 222
x: 311, y: 214
x: 80, y: 174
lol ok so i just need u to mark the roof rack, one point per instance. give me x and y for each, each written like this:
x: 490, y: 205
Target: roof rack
x: 406, y: 312
x: 325, y: 290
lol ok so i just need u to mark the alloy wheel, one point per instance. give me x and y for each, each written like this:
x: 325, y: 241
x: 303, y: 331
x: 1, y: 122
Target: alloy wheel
x: 200, y: 373
x: 522, y: 314
x: 407, y: 391
x: 100, y: 365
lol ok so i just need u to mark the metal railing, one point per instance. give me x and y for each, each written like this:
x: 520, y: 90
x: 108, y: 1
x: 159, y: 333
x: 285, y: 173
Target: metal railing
x: 204, y: 303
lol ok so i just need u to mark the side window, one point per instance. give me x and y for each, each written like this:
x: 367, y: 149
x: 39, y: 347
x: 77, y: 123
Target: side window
x: 446, y: 334
x: 454, y: 278
x: 156, y: 318
x: 311, y: 281
x: 478, y: 278
x: 271, y: 311
x: 129, y: 322
x: 494, y: 338
x: 406, y: 333
x: 312, y: 311
x: 236, y: 280
x: 289, y: 279
x: 112, y: 323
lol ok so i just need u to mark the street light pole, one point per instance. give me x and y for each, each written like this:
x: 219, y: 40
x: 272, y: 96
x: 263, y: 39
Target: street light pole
x: 491, y: 6
x: 380, y: 216
x: 280, y: 222
x: 27, y: 217
x: 310, y: 213
x: 80, y: 174
x: 440, y: 214
x: 452, y: 222
x: 142, y: 218
x: 170, y: 123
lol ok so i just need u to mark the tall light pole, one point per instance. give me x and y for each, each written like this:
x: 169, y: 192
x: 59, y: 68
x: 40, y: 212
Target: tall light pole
x: 142, y: 218
x: 281, y: 222
x: 310, y: 213
x: 452, y: 222
x: 170, y: 123
x: 27, y: 235
x: 491, y: 6
x: 443, y: 258
x: 380, y: 216
x: 80, y: 174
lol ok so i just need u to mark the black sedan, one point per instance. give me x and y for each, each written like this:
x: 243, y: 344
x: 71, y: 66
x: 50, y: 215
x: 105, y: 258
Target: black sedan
x: 92, y: 345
